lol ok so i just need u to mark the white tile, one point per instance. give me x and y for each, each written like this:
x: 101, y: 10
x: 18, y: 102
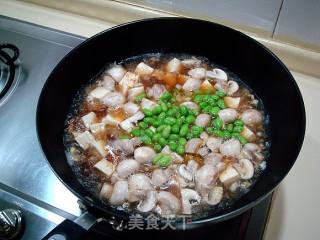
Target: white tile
x: 299, y: 22
x: 296, y: 211
x: 260, y: 14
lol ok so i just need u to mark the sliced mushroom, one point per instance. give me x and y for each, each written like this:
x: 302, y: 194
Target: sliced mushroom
x: 127, y: 167
x: 206, y: 175
x: 213, y: 143
x: 190, y: 105
x: 144, y: 154
x: 189, y: 198
x: 244, y: 168
x: 197, y: 73
x: 159, y: 177
x: 191, y: 62
x: 213, y: 159
x: 168, y: 203
x: 204, y: 151
x: 232, y: 87
x: 230, y: 147
x: 215, y: 195
x: 185, y: 172
x: 247, y: 133
x: 229, y: 176
x: 149, y: 203
x: 192, y: 166
x: 191, y: 84
x: 228, y: 115
x: 217, y: 74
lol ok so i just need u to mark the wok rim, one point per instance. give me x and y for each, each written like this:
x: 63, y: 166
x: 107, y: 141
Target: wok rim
x: 209, y: 219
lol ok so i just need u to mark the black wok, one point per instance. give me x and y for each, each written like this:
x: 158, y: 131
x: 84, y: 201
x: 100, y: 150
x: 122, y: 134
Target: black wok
x: 252, y: 62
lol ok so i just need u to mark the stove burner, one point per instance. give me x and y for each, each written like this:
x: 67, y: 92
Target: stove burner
x: 7, y: 68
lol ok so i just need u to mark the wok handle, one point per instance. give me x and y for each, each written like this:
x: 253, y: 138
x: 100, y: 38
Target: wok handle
x: 67, y: 230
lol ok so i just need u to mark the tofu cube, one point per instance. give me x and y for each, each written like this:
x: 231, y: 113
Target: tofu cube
x: 127, y: 125
x: 128, y: 81
x: 99, y: 93
x: 85, y: 140
x: 89, y: 119
x: 110, y: 120
x: 117, y: 72
x: 105, y: 167
x: 97, y: 127
x: 143, y: 69
x: 130, y: 108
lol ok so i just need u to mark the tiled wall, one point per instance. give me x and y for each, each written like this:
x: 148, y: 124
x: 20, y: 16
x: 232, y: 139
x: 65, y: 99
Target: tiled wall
x: 295, y: 21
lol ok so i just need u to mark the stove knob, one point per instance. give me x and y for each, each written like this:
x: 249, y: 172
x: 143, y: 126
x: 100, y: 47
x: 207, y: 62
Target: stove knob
x: 10, y: 223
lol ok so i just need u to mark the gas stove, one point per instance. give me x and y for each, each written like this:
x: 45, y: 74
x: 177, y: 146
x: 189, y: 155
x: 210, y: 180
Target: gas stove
x: 32, y: 199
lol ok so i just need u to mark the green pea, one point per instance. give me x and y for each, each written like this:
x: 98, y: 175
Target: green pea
x: 156, y: 159
x: 210, y: 130
x: 237, y: 129
x: 181, y: 120
x: 184, y: 110
x: 220, y: 93
x: 215, y: 97
x: 198, y: 98
x: 229, y: 127
x: 235, y: 135
x: 218, y: 133
x: 156, y: 110
x: 149, y: 132
x: 189, y: 136
x: 142, y: 125
x: 202, y: 105
x: 170, y: 120
x: 162, y: 142
x: 148, y: 120
x: 214, y: 111
x: 212, y: 102
x: 171, y: 112
x: 136, y: 132
x: 156, y: 137
x: 238, y: 122
x: 162, y: 116
x: 173, y: 146
x: 226, y: 134
x: 242, y: 139
x: 160, y: 128
x: 218, y: 123
x: 173, y: 137
x: 196, y: 134
x: 164, y: 107
x: 175, y: 128
x: 206, y: 98
x: 166, y: 132
x: 139, y: 97
x: 157, y: 123
x: 221, y: 104
x: 147, y: 112
x: 196, y: 129
x: 165, y: 161
x: 182, y: 141
x: 157, y: 147
x: 169, y: 105
x: 180, y: 150
x: 207, y: 109
x: 194, y: 112
x: 146, y: 139
x: 184, y: 130
x: 190, y: 119
x: 166, y: 96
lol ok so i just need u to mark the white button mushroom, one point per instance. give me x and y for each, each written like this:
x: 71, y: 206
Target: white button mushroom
x: 213, y: 143
x: 119, y: 193
x: 168, y: 203
x: 193, y: 145
x: 144, y: 154
x: 191, y: 62
x: 230, y: 147
x: 174, y: 65
x: 105, y: 167
x: 127, y: 167
x: 189, y: 198
x: 106, y: 191
x: 203, y: 120
x: 185, y: 172
x: 233, y: 87
x: 206, y: 175
x: 245, y: 168
x: 232, y: 102
x: 143, y: 69
x: 190, y: 105
x: 228, y: 115
x: 215, y: 195
x: 217, y: 74
x: 251, y: 117
x: 159, y: 177
x: 213, y: 159
x: 203, y: 151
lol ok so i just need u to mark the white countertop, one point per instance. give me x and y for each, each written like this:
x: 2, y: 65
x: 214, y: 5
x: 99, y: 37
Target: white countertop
x: 295, y: 209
